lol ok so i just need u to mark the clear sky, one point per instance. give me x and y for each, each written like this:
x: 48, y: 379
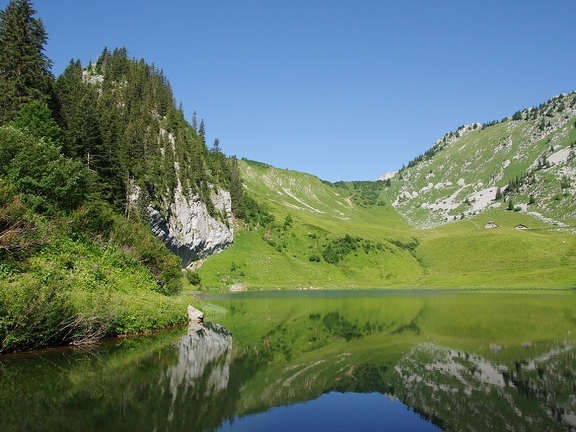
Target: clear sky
x: 344, y: 90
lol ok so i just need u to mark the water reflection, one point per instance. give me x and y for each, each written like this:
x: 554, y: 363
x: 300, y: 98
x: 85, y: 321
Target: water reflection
x: 470, y: 391
x: 204, y: 354
x: 200, y: 377
x: 272, y: 363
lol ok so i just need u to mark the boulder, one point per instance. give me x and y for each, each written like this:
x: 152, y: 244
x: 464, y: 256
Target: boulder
x: 195, y: 315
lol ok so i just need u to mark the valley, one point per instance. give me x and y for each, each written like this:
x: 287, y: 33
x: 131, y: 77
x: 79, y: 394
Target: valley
x: 428, y: 225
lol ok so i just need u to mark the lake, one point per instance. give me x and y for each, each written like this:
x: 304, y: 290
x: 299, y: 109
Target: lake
x: 317, y: 360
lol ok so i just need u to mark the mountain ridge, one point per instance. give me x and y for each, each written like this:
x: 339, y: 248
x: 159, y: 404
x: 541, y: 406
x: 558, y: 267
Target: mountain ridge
x: 461, y: 173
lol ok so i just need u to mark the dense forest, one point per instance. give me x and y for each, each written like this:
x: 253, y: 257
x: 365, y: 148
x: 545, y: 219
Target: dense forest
x: 73, y: 250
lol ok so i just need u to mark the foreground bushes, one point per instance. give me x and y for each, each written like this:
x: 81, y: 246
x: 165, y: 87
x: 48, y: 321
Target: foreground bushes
x: 78, y: 276
x: 43, y: 314
x: 78, y: 292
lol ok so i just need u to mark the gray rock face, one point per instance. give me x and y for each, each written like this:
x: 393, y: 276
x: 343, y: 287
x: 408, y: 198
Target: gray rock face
x: 189, y: 230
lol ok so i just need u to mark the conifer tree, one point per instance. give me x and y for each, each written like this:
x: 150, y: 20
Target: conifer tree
x: 74, y: 98
x: 194, y: 122
x: 202, y: 131
x: 498, y: 194
x: 216, y: 147
x: 236, y: 190
x: 25, y: 74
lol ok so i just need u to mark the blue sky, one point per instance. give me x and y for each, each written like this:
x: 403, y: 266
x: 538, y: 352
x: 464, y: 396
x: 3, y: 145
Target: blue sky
x: 344, y: 90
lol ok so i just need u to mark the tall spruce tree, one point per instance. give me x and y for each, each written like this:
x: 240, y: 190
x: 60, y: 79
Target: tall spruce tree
x: 25, y: 71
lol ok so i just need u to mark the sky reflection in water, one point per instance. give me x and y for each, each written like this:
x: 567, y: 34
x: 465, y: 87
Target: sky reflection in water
x: 335, y: 411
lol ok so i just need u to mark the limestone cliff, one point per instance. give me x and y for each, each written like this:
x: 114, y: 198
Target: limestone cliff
x: 187, y: 227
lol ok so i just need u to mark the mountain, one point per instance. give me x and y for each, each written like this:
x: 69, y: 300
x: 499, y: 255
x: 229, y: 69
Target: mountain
x: 427, y: 225
x: 529, y: 158
x: 120, y: 117
x: 96, y: 167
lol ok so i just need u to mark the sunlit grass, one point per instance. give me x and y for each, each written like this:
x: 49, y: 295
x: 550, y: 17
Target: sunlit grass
x: 460, y: 254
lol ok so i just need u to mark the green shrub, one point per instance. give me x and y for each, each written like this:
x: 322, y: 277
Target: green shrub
x: 139, y: 241
x: 330, y: 255
x: 41, y: 172
x: 193, y: 277
x: 35, y: 314
x: 36, y: 119
x: 314, y: 258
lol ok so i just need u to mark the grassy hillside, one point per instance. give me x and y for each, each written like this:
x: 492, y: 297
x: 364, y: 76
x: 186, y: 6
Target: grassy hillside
x: 369, y: 244
x: 466, y: 254
x: 326, y: 235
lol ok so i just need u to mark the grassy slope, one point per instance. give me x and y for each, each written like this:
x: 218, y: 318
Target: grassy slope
x: 279, y: 258
x: 459, y: 254
x: 472, y: 160
x: 464, y: 255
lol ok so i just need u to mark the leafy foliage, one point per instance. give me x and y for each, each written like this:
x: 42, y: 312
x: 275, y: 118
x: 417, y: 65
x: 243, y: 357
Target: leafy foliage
x: 41, y: 172
x: 36, y: 119
x: 193, y: 277
x: 364, y: 193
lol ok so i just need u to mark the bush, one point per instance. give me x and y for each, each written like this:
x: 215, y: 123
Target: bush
x: 193, y: 277
x: 150, y: 252
x: 40, y: 171
x: 36, y: 119
x: 330, y: 255
x: 34, y: 314
x: 314, y: 258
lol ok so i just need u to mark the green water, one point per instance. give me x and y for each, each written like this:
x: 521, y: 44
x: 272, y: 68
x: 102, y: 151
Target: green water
x: 292, y: 359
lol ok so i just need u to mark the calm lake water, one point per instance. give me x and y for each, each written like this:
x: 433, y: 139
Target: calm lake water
x: 317, y: 360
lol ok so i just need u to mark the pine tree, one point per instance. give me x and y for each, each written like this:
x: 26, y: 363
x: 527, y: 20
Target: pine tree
x: 74, y: 97
x: 216, y: 147
x: 236, y: 190
x: 25, y: 74
x: 498, y: 194
x: 195, y: 123
x: 202, y: 131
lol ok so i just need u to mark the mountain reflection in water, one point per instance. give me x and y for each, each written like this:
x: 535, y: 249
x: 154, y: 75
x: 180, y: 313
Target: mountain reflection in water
x: 203, y: 354
x: 362, y: 362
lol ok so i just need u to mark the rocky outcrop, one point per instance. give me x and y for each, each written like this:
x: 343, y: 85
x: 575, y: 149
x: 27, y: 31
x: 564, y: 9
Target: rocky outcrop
x: 195, y: 319
x: 195, y: 315
x: 187, y: 227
